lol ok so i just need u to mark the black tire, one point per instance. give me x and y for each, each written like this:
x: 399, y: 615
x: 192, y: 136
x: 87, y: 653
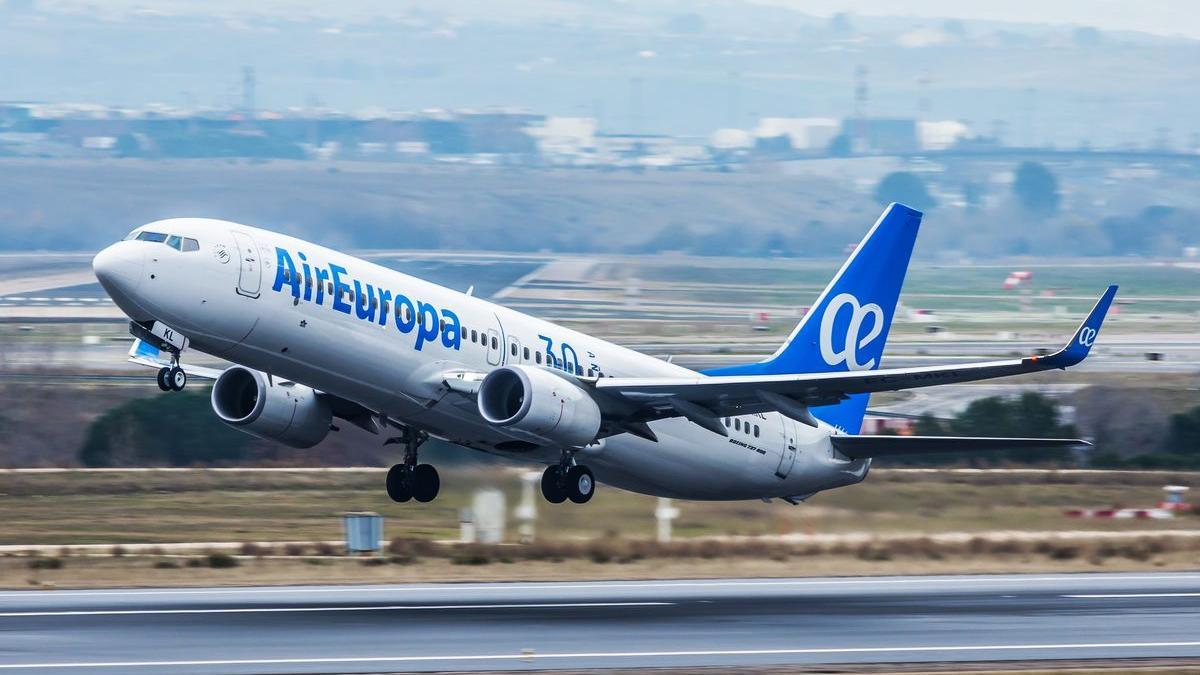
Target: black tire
x: 163, y: 383
x: 399, y: 483
x: 551, y: 488
x: 580, y: 484
x: 425, y: 483
x: 176, y: 378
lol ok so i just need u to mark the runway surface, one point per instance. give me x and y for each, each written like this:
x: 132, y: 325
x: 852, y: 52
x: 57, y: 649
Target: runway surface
x: 603, y: 624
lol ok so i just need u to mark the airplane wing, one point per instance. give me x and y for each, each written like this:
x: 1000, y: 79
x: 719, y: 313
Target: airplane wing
x: 703, y: 398
x: 856, y: 447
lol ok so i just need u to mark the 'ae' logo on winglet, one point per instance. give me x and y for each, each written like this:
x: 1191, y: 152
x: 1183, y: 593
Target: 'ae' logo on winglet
x: 854, y: 339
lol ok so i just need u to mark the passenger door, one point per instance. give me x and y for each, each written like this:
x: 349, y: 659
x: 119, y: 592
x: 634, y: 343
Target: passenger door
x: 787, y: 456
x: 250, y: 271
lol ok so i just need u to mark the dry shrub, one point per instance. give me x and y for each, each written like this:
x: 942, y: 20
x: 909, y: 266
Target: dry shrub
x: 1065, y: 551
x: 46, y: 564
x: 165, y: 565
x: 251, y: 549
x: 117, y: 551
x: 221, y: 561
x: 472, y: 554
x: 294, y: 549
x: 404, y: 550
x: 325, y: 548
x: 873, y: 552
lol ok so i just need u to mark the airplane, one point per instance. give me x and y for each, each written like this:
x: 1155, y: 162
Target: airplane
x: 316, y: 335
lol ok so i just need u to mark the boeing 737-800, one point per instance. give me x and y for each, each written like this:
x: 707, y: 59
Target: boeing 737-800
x: 316, y: 334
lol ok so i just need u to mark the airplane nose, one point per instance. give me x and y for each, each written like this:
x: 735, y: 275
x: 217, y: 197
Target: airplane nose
x: 119, y: 268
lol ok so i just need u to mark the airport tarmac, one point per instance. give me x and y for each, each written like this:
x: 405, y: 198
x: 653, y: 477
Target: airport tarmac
x: 586, y: 625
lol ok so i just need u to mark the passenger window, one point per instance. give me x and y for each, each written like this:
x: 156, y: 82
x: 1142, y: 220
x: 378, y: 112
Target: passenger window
x: 175, y: 241
x: 495, y: 344
x: 737, y: 424
x: 474, y: 336
x: 539, y: 358
x: 727, y: 422
x: 513, y: 348
x: 190, y: 244
x: 330, y: 288
x: 374, y: 302
x: 525, y: 353
x: 157, y: 237
x: 386, y: 308
x: 756, y: 431
x: 442, y: 326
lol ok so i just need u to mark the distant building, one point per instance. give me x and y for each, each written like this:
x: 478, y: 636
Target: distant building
x: 802, y: 133
x: 874, y: 135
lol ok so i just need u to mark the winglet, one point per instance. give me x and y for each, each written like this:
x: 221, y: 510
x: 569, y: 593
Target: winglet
x: 1085, y: 336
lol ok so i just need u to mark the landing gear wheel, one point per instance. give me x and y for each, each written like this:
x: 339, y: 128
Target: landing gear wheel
x: 176, y: 378
x: 399, y: 483
x: 580, y: 485
x: 551, y: 488
x: 163, y: 382
x: 425, y: 483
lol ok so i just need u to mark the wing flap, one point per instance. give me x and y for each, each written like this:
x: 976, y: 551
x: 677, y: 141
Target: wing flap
x: 861, y: 447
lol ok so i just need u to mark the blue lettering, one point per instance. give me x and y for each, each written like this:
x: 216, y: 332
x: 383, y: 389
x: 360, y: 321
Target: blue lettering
x: 307, y: 276
x: 406, y: 314
x: 452, y: 336
x: 384, y: 297
x: 285, y: 273
x: 426, y: 330
x: 322, y: 277
x: 364, y: 301
x: 340, y: 288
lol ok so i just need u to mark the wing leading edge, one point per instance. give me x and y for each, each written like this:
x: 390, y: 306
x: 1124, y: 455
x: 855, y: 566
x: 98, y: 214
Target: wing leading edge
x: 792, y: 394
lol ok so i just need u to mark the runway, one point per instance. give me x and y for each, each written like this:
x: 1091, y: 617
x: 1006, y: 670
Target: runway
x: 582, y: 625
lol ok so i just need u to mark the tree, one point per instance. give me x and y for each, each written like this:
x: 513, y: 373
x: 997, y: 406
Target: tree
x: 1036, y: 189
x: 905, y: 187
x: 172, y: 430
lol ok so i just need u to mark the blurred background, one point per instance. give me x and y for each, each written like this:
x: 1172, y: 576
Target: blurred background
x: 679, y: 177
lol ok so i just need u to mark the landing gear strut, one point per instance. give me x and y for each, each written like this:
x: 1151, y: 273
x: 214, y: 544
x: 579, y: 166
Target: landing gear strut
x: 567, y: 480
x: 411, y: 480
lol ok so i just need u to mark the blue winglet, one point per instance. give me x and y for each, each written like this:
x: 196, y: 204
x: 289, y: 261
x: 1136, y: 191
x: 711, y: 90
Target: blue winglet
x: 1085, y: 336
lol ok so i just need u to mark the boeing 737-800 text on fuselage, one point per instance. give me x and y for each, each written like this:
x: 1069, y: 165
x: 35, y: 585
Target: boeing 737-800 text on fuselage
x: 316, y: 334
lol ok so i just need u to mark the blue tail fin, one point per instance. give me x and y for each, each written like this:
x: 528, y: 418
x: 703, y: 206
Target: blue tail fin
x: 848, y: 324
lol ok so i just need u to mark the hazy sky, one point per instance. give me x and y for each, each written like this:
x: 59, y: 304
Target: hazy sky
x: 1162, y: 17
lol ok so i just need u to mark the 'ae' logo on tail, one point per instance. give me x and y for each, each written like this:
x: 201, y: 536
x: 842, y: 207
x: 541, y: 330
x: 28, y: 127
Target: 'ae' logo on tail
x: 854, y: 338
x: 1087, y: 335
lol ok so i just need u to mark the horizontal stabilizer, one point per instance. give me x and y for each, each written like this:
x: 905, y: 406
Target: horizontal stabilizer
x: 857, y: 447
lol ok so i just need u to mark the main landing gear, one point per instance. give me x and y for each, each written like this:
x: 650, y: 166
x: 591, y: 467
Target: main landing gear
x: 567, y: 480
x: 411, y: 480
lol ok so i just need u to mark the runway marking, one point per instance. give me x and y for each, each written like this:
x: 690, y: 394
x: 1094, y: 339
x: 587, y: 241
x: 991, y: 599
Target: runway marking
x: 501, y: 587
x: 366, y: 608
x: 1133, y: 595
x: 603, y: 655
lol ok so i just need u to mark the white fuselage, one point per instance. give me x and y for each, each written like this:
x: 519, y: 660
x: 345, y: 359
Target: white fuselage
x: 232, y: 300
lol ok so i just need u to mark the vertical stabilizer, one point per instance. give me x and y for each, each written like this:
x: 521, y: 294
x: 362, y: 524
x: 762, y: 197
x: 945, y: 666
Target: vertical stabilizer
x: 847, y: 327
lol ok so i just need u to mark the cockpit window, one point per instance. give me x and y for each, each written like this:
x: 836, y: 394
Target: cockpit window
x: 131, y: 235
x: 152, y: 236
x: 175, y: 241
x: 190, y: 244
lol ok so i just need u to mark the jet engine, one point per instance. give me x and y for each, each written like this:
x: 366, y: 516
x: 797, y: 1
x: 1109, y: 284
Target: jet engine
x: 541, y: 403
x: 290, y: 413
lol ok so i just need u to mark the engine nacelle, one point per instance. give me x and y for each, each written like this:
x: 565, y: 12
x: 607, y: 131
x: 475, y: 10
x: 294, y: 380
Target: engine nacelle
x: 292, y: 414
x: 538, y: 402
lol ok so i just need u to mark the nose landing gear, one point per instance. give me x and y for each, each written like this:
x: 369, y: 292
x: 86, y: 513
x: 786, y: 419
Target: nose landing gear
x: 172, y: 378
x: 411, y: 480
x: 565, y: 481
